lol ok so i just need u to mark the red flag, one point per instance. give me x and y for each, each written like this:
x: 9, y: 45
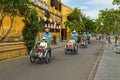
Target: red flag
x: 57, y: 27
x: 52, y: 26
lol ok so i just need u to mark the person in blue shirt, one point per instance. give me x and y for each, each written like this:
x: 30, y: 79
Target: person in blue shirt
x: 47, y: 34
x: 85, y: 35
x: 75, y: 35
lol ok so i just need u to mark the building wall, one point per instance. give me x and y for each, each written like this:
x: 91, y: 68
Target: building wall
x: 55, y: 16
x: 65, y: 12
x: 11, y: 50
x: 16, y: 29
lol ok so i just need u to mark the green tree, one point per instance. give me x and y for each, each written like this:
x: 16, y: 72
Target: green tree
x: 31, y: 28
x: 116, y: 2
x: 74, y: 15
x: 11, y: 9
x: 110, y: 18
x: 89, y: 24
x: 73, y: 20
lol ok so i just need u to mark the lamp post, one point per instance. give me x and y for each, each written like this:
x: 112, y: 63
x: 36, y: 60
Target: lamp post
x: 101, y: 24
x: 101, y: 34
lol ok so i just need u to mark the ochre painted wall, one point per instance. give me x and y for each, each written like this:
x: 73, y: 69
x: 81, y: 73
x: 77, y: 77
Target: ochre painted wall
x: 18, y: 24
x: 65, y: 12
x: 16, y: 29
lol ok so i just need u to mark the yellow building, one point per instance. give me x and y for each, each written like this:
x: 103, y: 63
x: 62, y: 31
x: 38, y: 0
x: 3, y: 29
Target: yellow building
x: 54, y: 14
x: 50, y: 11
x: 66, y: 10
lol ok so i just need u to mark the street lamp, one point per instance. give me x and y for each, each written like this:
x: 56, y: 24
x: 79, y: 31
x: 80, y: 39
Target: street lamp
x: 101, y: 24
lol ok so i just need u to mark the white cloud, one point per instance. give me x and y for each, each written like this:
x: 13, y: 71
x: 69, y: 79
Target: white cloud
x: 93, y: 14
x: 96, y: 5
x: 90, y: 7
x: 106, y: 2
x: 83, y: 7
x: 101, y: 3
x: 66, y: 1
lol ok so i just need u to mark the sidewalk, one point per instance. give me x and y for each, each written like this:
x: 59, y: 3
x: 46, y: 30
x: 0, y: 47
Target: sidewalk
x: 109, y: 67
x: 60, y: 44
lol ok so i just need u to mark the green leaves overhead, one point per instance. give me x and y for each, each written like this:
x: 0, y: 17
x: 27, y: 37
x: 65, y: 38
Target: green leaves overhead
x: 110, y: 18
x: 79, y: 22
x: 116, y: 2
x: 74, y: 22
x: 14, y: 7
x: 11, y: 9
x: 74, y: 15
x: 89, y: 24
x: 31, y: 28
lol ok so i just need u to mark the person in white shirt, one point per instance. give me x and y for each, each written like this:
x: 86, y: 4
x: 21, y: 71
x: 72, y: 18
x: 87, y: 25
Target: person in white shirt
x: 43, y: 43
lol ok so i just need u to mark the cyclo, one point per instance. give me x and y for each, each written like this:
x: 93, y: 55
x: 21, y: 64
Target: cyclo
x: 71, y: 47
x: 83, y: 42
x: 41, y: 51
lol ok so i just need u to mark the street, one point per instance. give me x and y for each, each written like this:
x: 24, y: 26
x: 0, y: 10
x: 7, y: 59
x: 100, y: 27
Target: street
x: 61, y: 67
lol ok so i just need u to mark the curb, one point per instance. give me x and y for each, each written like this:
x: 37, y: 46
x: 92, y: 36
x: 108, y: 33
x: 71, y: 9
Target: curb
x: 96, y: 64
x: 19, y: 57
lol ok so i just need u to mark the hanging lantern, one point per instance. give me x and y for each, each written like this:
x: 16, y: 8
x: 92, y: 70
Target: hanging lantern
x: 55, y: 25
x: 46, y: 25
x: 49, y: 25
x: 52, y: 26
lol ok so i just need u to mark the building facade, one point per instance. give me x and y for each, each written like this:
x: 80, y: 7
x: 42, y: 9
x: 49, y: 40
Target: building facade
x: 54, y: 14
x: 65, y: 11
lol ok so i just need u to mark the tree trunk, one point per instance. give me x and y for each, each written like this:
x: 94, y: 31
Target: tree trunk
x: 2, y: 30
x: 4, y: 36
x: 1, y: 21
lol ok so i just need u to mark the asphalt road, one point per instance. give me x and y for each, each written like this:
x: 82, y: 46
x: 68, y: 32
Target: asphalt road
x: 61, y: 67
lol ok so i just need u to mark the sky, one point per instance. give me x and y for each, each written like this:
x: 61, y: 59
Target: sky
x: 90, y: 7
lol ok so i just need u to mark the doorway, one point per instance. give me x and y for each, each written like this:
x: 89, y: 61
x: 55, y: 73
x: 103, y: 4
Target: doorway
x: 64, y: 34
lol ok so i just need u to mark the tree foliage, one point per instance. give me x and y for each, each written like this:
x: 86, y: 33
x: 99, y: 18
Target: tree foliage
x: 31, y: 28
x: 11, y: 9
x: 74, y: 15
x: 73, y: 20
x: 89, y: 24
x: 110, y: 19
x: 116, y: 2
x: 79, y: 22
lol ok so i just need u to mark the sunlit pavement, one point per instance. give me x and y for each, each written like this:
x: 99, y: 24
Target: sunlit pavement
x: 109, y: 67
x: 61, y: 67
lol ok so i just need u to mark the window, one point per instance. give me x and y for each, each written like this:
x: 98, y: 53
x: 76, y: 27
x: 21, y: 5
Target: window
x: 53, y: 2
x: 40, y: 2
x: 46, y: 6
x: 32, y: 0
x: 47, y: 14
